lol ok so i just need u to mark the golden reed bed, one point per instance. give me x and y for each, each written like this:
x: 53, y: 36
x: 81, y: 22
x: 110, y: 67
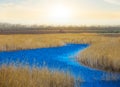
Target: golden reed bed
x: 105, y: 56
x: 29, y: 41
x: 103, y: 52
x: 11, y: 76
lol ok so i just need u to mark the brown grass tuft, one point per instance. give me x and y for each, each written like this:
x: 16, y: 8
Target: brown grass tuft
x: 11, y: 76
x: 105, y: 55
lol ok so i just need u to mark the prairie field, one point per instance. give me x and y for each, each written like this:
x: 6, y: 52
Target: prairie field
x: 11, y: 76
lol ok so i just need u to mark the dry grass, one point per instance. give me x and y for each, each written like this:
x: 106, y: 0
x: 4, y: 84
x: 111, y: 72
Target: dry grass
x: 29, y: 41
x: 11, y: 76
x: 104, y: 56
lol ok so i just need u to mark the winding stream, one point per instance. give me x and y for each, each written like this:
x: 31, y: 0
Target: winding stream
x: 63, y: 59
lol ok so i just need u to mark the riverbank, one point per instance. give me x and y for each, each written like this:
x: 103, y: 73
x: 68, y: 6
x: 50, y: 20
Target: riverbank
x: 61, y: 59
x: 98, y: 55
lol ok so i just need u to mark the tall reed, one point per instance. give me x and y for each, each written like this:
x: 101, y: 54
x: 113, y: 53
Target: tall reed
x: 11, y: 76
x: 104, y: 55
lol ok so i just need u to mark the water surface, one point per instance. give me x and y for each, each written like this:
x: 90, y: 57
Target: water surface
x: 63, y: 59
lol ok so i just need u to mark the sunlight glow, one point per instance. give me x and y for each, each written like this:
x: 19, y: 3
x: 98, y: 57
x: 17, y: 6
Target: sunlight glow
x: 59, y: 14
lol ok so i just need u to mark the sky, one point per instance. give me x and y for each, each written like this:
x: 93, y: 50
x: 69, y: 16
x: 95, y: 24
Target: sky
x: 60, y: 12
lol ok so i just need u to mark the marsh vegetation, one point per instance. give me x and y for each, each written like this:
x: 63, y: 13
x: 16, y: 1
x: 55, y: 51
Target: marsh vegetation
x: 105, y: 56
x: 12, y: 76
x: 29, y: 41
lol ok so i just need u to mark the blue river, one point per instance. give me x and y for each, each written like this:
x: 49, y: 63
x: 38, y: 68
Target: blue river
x: 62, y: 58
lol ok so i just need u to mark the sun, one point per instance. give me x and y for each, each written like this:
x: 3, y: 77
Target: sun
x: 59, y: 14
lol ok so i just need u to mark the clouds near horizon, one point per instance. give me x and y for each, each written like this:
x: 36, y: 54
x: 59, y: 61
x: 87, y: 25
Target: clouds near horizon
x: 117, y: 2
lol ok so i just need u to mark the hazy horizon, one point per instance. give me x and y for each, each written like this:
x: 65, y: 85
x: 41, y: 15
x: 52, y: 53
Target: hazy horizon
x: 60, y: 12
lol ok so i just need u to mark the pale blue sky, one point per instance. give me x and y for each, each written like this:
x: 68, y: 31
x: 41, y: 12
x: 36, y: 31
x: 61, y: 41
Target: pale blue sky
x: 78, y: 12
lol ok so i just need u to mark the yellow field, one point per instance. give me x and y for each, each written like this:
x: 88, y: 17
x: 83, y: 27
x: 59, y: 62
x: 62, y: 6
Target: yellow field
x: 104, y: 56
x: 11, y: 76
x: 17, y: 42
x: 103, y: 53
